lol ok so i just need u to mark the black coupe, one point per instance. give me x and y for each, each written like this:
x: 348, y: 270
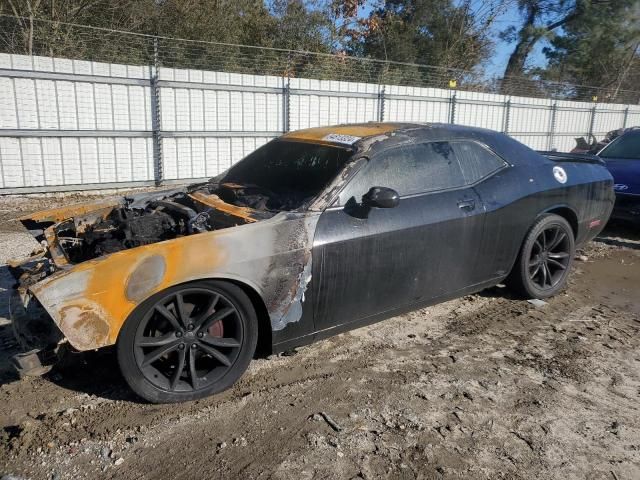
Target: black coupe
x: 317, y: 232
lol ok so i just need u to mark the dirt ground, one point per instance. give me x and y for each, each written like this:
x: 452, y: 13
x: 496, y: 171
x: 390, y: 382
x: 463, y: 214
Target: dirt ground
x: 487, y: 386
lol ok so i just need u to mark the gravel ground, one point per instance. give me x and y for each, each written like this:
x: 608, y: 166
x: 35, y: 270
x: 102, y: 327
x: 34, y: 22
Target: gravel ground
x: 486, y: 386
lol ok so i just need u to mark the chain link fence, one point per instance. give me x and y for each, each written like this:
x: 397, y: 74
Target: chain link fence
x: 56, y: 39
x: 84, y: 107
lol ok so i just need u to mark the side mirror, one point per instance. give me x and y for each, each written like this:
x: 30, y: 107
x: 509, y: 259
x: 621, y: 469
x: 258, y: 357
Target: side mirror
x: 381, y: 197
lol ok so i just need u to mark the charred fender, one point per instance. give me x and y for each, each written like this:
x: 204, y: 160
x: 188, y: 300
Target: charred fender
x: 90, y: 301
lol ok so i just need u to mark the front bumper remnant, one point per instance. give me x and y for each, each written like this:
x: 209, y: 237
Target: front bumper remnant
x: 34, y: 362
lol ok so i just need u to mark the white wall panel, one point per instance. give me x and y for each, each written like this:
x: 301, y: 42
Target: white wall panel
x: 107, y: 159
x: 33, y: 161
x: 609, y: 117
x: 537, y: 142
x: 313, y: 103
x: 12, y: 164
x: 564, y: 142
x: 573, y: 117
x: 430, y: 104
x: 219, y: 106
x: 8, y: 104
x: 633, y: 117
x: 71, y: 161
x: 527, y: 116
x: 52, y: 158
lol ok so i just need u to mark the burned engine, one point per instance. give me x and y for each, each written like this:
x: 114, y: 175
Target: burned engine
x: 140, y: 221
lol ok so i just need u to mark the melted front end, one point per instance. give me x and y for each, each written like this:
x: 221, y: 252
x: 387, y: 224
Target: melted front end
x: 80, y: 233
x: 135, y: 221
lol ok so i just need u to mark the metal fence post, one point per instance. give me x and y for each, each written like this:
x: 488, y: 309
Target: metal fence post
x: 452, y: 108
x: 381, y: 102
x: 286, y: 95
x: 625, y: 118
x: 552, y: 126
x: 286, y: 104
x: 507, y: 115
x: 592, y: 121
x: 156, y: 124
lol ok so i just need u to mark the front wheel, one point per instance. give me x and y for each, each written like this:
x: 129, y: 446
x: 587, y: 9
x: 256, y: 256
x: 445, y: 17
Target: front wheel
x: 188, y: 342
x: 545, y: 258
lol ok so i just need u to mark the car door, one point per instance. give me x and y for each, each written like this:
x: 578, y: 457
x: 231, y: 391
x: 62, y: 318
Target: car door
x: 485, y: 170
x: 370, y: 261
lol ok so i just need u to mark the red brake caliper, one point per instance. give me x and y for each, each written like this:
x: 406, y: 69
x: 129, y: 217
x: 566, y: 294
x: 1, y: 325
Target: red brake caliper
x: 217, y: 329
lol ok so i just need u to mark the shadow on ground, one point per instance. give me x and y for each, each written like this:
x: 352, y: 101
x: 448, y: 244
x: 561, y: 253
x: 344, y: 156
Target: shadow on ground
x: 620, y: 234
x: 8, y: 344
x: 94, y: 373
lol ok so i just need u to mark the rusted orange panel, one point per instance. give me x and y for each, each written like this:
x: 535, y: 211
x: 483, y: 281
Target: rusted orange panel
x: 216, y: 202
x: 57, y: 255
x: 356, y: 130
x: 89, y: 303
x: 59, y: 214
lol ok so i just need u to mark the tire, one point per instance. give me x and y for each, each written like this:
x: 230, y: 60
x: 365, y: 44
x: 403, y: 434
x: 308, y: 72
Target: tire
x: 188, y: 341
x: 545, y: 260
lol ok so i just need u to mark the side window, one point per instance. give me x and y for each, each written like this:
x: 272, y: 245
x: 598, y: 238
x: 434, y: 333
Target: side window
x: 409, y: 170
x: 476, y: 161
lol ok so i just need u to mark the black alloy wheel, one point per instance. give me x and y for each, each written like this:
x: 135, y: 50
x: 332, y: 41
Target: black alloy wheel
x: 549, y: 257
x: 545, y: 258
x: 188, y: 342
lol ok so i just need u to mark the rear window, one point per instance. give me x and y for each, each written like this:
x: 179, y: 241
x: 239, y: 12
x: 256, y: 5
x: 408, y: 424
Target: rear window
x: 476, y: 161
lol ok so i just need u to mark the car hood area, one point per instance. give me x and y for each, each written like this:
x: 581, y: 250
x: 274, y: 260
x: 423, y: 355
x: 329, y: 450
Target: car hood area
x: 87, y: 231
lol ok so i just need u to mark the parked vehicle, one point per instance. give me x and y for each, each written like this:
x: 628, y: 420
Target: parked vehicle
x: 622, y: 158
x: 593, y: 146
x: 317, y: 232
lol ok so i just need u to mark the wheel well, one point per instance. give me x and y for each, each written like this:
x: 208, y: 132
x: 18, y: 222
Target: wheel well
x: 263, y: 348
x: 569, y: 215
x: 565, y: 212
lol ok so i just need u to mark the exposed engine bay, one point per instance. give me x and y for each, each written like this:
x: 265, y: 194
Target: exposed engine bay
x: 148, y: 218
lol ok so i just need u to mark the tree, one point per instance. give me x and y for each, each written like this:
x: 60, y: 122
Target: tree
x: 601, y: 48
x: 31, y: 36
x: 298, y: 27
x: 542, y: 20
x: 442, y: 33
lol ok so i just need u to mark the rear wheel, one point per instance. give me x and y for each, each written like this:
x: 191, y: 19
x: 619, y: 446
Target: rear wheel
x: 188, y: 342
x: 545, y: 258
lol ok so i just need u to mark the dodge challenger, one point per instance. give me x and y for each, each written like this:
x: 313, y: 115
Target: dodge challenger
x: 317, y: 232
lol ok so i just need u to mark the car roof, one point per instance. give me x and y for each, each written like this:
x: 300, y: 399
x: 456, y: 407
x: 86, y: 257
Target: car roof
x: 356, y: 131
x: 631, y: 131
x: 355, y: 134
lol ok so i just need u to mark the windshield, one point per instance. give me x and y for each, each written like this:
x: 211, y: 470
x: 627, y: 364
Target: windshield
x: 282, y: 175
x: 627, y: 147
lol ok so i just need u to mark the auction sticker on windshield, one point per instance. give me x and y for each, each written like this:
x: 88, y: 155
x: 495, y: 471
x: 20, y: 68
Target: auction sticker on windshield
x: 336, y: 137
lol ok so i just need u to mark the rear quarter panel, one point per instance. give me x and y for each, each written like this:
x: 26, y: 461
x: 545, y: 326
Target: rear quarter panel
x: 517, y: 195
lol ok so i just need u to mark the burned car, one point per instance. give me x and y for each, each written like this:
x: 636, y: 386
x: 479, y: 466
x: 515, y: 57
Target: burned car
x: 317, y: 232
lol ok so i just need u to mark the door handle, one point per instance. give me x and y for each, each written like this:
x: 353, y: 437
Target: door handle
x: 467, y: 205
